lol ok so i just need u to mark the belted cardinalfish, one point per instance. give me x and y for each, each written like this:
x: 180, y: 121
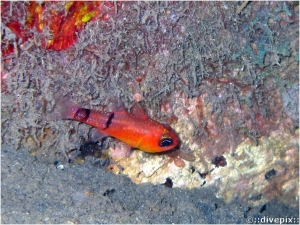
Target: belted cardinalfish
x: 134, y: 128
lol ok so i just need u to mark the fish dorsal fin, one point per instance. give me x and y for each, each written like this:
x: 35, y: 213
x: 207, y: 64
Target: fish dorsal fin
x: 115, y: 105
x: 138, y: 111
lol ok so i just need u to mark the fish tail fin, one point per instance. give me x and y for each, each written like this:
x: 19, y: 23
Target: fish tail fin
x: 63, y: 108
x: 66, y: 108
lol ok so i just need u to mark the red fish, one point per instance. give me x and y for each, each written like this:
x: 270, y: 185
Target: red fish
x: 135, y: 129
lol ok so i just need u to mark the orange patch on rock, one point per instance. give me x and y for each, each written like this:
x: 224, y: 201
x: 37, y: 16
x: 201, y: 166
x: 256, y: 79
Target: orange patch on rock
x: 63, y: 21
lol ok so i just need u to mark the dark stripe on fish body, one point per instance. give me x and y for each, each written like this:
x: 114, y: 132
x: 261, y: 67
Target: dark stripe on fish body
x: 82, y: 114
x: 110, y: 117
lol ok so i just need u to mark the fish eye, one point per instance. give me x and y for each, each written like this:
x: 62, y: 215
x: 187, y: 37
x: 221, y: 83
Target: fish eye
x: 165, y: 142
